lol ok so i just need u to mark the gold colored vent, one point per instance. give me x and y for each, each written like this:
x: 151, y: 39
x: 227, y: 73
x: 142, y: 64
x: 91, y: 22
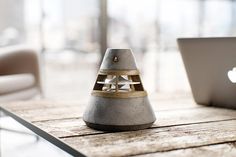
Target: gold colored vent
x: 122, y: 84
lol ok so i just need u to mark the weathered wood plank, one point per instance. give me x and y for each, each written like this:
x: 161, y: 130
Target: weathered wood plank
x: 66, y: 127
x: 159, y: 102
x: 155, y: 140
x: 46, y: 110
x: 50, y: 113
x: 76, y: 126
x: 181, y: 125
x: 218, y: 150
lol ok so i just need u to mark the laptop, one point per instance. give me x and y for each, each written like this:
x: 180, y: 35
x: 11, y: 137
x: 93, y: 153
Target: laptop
x: 208, y: 61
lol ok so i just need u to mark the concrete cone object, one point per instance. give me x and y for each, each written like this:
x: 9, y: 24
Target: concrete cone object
x: 113, y: 107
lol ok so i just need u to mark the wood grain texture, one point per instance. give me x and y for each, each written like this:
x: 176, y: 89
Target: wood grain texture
x: 183, y: 128
x: 50, y: 113
x: 76, y: 126
x: 159, y: 102
x: 222, y: 150
x: 155, y: 140
x: 51, y: 110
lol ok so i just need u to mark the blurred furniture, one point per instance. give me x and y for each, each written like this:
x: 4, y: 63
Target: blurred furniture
x: 19, y: 74
x: 182, y: 128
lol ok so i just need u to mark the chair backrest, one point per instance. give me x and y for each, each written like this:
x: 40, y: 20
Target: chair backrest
x: 18, y: 60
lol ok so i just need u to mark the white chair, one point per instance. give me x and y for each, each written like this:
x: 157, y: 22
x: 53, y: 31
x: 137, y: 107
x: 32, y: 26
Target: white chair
x: 19, y: 74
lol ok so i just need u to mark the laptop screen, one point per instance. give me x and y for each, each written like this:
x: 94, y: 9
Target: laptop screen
x: 19, y: 138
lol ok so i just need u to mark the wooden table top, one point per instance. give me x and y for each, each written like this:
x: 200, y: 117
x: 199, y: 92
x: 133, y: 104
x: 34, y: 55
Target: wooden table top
x: 183, y: 128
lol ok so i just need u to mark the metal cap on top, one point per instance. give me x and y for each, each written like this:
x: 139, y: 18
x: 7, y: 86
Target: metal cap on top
x: 118, y: 59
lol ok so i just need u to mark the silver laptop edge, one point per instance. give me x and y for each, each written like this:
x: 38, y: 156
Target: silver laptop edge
x: 207, y: 62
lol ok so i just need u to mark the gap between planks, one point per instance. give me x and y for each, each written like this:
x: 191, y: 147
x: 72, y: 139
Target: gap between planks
x: 216, y: 150
x: 155, y: 140
x: 76, y: 127
x: 163, y: 102
x: 42, y: 113
x: 96, y: 132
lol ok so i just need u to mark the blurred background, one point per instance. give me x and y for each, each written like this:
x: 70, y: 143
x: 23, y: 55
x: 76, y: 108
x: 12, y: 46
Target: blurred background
x: 72, y: 36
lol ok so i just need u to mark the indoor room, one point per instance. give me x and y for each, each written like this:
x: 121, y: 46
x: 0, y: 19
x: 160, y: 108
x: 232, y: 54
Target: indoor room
x: 117, y: 78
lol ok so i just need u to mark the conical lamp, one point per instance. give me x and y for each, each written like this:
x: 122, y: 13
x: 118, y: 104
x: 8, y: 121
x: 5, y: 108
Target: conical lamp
x: 118, y: 100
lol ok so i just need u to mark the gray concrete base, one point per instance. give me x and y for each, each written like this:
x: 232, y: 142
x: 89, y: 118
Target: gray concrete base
x: 117, y: 114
